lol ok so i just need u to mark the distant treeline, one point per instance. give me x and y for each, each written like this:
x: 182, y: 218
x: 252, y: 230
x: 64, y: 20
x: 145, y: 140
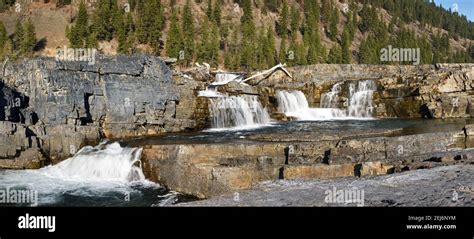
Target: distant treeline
x: 169, y: 29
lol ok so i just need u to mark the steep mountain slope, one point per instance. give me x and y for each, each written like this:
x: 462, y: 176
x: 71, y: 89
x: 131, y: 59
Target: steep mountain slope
x: 226, y: 42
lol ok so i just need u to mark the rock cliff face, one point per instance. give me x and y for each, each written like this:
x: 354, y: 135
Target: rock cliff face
x: 49, y: 109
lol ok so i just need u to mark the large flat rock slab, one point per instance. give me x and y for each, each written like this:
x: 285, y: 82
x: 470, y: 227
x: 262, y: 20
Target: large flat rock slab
x: 441, y: 186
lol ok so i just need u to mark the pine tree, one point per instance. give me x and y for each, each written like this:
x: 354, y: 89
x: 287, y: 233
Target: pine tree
x: 351, y: 26
x: 262, y: 45
x: 334, y: 20
x: 292, y: 58
x: 102, y: 24
x: 29, y: 39
x: 368, y: 51
x: 126, y: 36
x: 122, y: 38
x: 91, y: 41
x: 232, y: 54
x: 173, y: 41
x: 79, y: 33
x: 247, y: 58
x: 209, y: 9
x: 18, y: 37
x: 3, y: 37
x: 203, y: 46
x: 82, y: 25
x: 283, y: 21
x: 301, y: 54
x: 282, y: 52
x: 295, y: 21
x: 214, y: 45
x: 316, y: 52
x: 270, y: 49
x: 326, y: 10
x: 216, y: 14
x: 345, y: 46
x: 188, y: 33
x: 150, y: 22
x: 335, y: 55
x: 117, y: 18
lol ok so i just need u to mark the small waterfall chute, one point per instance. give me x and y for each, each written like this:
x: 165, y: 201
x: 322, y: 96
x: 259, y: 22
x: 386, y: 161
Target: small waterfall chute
x: 102, y: 162
x: 237, y: 112
x: 233, y: 112
x: 361, y: 99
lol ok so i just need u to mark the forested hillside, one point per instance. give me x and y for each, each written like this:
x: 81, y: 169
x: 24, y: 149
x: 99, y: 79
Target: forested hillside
x: 254, y: 34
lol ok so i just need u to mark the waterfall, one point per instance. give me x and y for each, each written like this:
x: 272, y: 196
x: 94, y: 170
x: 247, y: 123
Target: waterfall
x: 292, y: 102
x: 103, y: 162
x: 238, y: 112
x: 361, y: 99
x: 210, y: 92
x: 221, y: 79
x: 224, y: 78
x: 360, y: 103
x: 330, y: 99
x: 233, y: 112
x: 100, y: 175
x: 295, y: 104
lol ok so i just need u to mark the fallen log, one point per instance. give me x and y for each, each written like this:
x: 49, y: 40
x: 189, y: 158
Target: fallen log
x: 269, y: 72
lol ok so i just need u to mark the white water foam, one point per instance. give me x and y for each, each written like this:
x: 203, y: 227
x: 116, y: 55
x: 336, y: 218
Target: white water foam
x: 233, y: 112
x: 225, y: 78
x: 360, y: 105
x: 93, y: 171
x: 238, y: 112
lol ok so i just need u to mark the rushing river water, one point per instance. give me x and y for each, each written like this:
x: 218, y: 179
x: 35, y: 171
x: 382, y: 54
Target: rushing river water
x: 105, y: 175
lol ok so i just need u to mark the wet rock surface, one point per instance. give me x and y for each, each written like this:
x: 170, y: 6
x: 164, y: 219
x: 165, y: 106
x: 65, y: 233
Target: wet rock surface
x: 441, y: 186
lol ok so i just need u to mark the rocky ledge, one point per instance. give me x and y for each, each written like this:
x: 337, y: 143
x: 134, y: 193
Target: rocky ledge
x: 211, y: 169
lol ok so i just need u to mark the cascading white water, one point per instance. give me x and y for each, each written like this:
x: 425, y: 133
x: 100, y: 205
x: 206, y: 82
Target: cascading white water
x: 210, y: 92
x: 330, y: 99
x: 295, y: 104
x: 292, y: 102
x: 103, y: 162
x: 360, y: 105
x: 233, y: 112
x: 221, y: 79
x: 101, y: 172
x: 238, y: 112
x: 361, y: 99
x: 224, y: 78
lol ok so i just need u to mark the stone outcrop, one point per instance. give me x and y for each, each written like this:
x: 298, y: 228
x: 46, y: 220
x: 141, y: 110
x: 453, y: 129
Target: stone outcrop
x: 50, y: 109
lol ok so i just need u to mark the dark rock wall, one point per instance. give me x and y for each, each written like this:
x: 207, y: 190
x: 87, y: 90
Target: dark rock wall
x: 55, y: 108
